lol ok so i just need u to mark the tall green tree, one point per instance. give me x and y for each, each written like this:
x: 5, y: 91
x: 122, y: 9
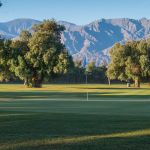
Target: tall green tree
x: 129, y: 61
x: 40, y: 56
x: 5, y: 55
x: 18, y: 63
x: 78, y: 72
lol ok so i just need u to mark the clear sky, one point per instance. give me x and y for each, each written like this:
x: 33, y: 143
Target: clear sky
x: 75, y: 11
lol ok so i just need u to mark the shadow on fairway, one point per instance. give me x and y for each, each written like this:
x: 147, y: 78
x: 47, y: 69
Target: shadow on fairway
x: 111, y: 88
x: 124, y: 140
x: 69, y: 95
x: 46, y: 95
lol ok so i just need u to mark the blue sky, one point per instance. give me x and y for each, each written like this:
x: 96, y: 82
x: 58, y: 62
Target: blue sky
x: 75, y: 11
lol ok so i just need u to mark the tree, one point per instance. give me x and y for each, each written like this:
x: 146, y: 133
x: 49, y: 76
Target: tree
x: 129, y: 62
x: 78, y: 71
x: 116, y: 66
x: 90, y: 67
x: 5, y: 54
x: 25, y: 36
x: 18, y: 63
x: 40, y: 56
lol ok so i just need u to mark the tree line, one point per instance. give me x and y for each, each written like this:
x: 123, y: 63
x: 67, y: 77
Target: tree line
x: 38, y: 57
x: 130, y: 61
x: 35, y: 57
x: 78, y: 73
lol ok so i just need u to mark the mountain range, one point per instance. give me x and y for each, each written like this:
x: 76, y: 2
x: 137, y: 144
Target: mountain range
x: 90, y: 42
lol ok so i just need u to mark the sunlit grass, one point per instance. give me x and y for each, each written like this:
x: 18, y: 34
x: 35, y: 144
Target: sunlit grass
x: 74, y: 140
x: 59, y: 117
x: 103, y: 89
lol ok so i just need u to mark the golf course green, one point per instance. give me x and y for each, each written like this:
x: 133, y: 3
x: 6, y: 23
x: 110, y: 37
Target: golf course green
x: 59, y: 117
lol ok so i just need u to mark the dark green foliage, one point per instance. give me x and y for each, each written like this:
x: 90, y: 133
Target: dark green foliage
x: 96, y: 74
x: 5, y: 56
x: 41, y: 57
x: 47, y: 56
x: 130, y: 61
x: 37, y: 57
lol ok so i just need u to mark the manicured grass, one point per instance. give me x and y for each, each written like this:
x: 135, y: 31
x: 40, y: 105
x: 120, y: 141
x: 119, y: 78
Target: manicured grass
x: 59, y: 117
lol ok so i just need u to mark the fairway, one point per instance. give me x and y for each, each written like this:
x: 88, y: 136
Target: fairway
x: 60, y: 117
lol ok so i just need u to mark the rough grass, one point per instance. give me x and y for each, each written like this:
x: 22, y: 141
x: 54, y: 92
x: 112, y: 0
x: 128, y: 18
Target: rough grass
x: 59, y: 117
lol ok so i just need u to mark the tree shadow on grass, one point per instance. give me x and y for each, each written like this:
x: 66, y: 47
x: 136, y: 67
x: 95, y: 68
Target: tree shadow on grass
x: 111, y: 88
x: 125, y: 140
x: 69, y: 95
x: 46, y: 95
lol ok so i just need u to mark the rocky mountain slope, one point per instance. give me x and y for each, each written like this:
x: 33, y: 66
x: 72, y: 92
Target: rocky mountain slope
x: 89, y: 42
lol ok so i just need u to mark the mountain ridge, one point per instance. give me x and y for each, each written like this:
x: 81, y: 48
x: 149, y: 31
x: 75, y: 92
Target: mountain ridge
x: 90, y: 42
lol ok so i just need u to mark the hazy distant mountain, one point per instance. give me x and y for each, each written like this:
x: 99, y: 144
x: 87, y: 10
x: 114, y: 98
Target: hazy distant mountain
x: 90, y: 42
x: 12, y: 28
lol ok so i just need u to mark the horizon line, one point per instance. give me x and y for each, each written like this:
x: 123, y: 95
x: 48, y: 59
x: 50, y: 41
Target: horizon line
x: 39, y: 20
